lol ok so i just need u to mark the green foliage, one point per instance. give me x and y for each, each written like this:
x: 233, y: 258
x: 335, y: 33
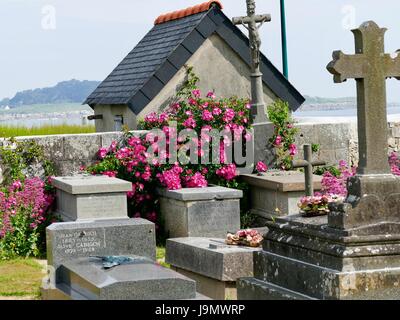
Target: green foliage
x: 23, y: 242
x: 315, y: 147
x: 17, y: 156
x: 334, y: 170
x: 283, y: 139
x: 247, y: 220
x: 190, y: 84
x: 19, y: 131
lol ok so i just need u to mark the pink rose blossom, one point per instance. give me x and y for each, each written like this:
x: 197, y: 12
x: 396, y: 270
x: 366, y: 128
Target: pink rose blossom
x: 196, y: 93
x: 102, y: 153
x: 292, y: 149
x: 211, y: 95
x: 278, y: 140
x: 207, y: 116
x: 261, y: 167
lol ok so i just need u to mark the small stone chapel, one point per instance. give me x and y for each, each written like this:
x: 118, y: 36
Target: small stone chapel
x: 149, y: 77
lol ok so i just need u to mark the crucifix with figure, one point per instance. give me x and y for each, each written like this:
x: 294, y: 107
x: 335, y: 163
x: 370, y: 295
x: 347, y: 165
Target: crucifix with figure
x: 370, y: 66
x: 252, y: 23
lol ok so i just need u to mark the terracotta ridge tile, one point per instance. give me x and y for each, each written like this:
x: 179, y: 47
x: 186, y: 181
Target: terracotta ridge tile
x: 179, y: 14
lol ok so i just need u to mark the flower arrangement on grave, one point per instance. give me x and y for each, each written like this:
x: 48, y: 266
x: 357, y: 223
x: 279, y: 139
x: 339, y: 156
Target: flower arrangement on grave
x: 317, y: 205
x: 249, y: 238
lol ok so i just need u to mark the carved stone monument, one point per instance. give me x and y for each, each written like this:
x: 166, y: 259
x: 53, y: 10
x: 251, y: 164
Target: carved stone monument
x: 354, y: 253
x: 75, y: 249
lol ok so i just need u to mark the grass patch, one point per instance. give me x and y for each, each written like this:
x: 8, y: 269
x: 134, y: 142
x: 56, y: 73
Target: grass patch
x: 17, y: 131
x: 20, y: 277
x: 161, y: 257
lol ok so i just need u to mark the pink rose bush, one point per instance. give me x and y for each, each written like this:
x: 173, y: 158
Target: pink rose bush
x: 156, y: 160
x: 24, y: 214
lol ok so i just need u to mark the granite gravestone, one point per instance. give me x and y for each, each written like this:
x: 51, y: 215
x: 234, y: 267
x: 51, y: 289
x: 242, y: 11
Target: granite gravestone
x: 200, y: 212
x: 354, y: 253
x: 75, y: 251
x: 275, y: 194
x: 214, y: 265
x: 85, y: 196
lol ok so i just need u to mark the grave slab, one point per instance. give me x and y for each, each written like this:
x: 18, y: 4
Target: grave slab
x: 214, y: 265
x: 70, y: 240
x: 91, y: 197
x: 200, y: 212
x: 277, y: 193
x: 85, y: 278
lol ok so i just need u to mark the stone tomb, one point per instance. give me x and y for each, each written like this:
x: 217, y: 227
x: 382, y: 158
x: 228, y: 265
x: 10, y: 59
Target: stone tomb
x: 201, y: 212
x: 85, y: 278
x: 354, y: 252
x: 84, y: 197
x: 214, y: 265
x: 75, y: 251
x: 277, y: 193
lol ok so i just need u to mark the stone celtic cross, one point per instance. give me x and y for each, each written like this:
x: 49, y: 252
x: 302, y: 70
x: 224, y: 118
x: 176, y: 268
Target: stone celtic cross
x: 308, y: 165
x: 252, y: 23
x: 370, y: 66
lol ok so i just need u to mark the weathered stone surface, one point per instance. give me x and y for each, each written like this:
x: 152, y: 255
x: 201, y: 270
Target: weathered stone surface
x: 70, y: 240
x: 136, y: 281
x: 209, y: 287
x: 198, y: 194
x: 211, y: 258
x: 69, y: 151
x: 308, y: 165
x: 370, y: 66
x: 196, y: 215
x: 353, y: 253
x: 74, y: 150
x: 91, y: 197
x: 305, y: 256
x: 262, y: 151
x: 277, y: 193
x: 88, y: 184
x: 281, y: 181
x: 254, y: 289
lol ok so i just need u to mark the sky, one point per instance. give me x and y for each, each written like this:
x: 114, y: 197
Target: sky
x: 43, y: 42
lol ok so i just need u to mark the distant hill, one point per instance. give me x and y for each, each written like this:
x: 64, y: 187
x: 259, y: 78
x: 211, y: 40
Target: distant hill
x: 320, y: 100
x: 72, y: 91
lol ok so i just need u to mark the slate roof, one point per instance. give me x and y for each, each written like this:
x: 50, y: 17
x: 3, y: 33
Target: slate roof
x: 144, y: 72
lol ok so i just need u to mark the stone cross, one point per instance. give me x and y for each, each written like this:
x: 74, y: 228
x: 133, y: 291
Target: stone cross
x: 252, y: 23
x: 370, y: 66
x: 308, y: 165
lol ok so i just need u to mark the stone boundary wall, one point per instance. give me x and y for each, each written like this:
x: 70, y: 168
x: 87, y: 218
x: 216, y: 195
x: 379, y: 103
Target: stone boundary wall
x: 71, y: 151
x: 338, y: 141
